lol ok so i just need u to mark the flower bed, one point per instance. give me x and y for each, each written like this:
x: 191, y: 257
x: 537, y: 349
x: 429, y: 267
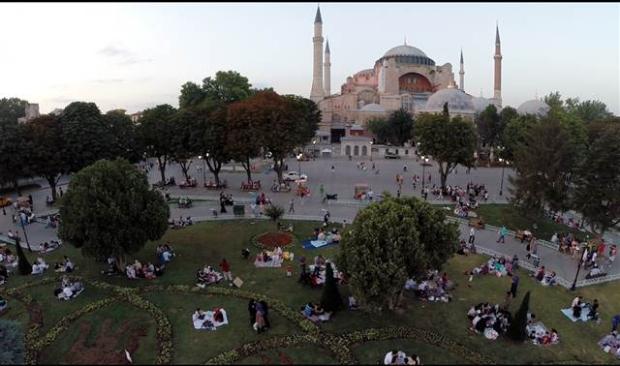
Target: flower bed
x: 271, y: 240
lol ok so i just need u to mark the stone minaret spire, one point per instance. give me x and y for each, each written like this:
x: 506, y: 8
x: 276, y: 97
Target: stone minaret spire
x: 328, y: 65
x: 317, y: 92
x: 462, y: 74
x: 497, y: 87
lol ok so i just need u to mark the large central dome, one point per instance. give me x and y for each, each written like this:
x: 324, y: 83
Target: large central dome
x: 406, y: 54
x: 404, y: 50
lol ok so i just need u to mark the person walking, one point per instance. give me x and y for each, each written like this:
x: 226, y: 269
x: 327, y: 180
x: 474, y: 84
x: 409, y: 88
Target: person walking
x: 225, y: 267
x: 472, y: 235
x: 405, y: 168
x: 502, y: 234
x: 322, y: 191
x: 291, y: 207
x: 514, y: 285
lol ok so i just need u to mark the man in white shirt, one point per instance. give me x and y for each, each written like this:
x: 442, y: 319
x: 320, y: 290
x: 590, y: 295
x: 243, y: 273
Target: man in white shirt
x: 472, y: 235
x: 576, y: 301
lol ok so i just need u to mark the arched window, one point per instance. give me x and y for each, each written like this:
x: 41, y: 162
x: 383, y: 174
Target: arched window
x: 356, y: 150
x: 364, y: 150
x: 348, y: 150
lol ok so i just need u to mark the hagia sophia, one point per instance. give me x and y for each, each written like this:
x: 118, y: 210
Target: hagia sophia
x: 404, y: 77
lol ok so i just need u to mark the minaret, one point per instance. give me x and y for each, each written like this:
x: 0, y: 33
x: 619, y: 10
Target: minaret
x: 497, y: 94
x: 328, y: 65
x: 317, y: 92
x: 462, y: 74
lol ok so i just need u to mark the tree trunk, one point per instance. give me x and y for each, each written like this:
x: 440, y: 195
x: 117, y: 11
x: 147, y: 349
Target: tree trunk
x: 246, y: 165
x: 162, y: 169
x: 215, y: 169
x: 16, y: 187
x: 185, y: 168
x: 278, y: 165
x: 52, y: 182
x: 443, y: 174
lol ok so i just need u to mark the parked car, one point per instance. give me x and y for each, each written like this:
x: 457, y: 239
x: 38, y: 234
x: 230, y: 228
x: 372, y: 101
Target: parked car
x: 389, y: 155
x: 294, y: 176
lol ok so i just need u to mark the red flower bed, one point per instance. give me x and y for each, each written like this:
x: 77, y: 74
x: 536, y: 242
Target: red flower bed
x: 271, y: 240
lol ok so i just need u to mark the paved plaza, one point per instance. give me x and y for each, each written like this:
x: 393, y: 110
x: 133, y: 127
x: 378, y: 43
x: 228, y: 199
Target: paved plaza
x: 340, y: 181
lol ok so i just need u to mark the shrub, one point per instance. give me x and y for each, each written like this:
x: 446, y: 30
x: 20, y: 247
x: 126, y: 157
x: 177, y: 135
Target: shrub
x: 11, y: 343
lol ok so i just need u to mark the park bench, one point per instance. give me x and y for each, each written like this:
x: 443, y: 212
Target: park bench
x: 250, y: 186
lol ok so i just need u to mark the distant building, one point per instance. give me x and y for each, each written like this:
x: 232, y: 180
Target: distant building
x: 32, y: 112
x: 135, y: 116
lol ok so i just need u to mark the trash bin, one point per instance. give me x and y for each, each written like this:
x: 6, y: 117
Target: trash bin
x: 239, y: 210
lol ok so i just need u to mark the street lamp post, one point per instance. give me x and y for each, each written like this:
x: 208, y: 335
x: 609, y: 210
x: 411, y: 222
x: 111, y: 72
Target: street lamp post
x: 585, y: 253
x: 501, y: 186
x: 299, y: 156
x: 424, y: 161
x: 21, y: 220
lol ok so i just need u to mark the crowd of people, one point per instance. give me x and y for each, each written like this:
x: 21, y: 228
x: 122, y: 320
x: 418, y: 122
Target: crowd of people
x: 499, y: 267
x: 181, y: 222
x: 314, y: 274
x: 65, y: 266
x: 489, y: 320
x: 148, y: 271
x: 431, y: 287
x: 208, y: 276
x: 395, y: 357
x: 68, y: 290
x: 611, y: 343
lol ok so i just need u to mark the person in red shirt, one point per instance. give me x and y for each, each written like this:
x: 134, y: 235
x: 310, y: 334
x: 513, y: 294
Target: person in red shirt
x: 225, y: 266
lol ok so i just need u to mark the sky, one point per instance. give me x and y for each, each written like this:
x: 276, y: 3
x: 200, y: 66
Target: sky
x: 137, y: 55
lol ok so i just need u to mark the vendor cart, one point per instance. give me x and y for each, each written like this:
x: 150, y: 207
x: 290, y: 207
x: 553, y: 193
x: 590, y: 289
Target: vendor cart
x: 361, y: 189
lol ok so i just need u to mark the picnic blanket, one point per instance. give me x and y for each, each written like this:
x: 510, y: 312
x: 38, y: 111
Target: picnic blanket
x: 314, y: 244
x: 569, y: 314
x: 273, y: 263
x: 209, y: 316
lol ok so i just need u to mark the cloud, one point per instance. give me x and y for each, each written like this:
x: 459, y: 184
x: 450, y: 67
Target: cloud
x: 113, y: 51
x: 124, y: 56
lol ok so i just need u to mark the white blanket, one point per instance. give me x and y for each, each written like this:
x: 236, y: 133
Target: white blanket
x: 274, y: 262
x: 318, y: 243
x: 198, y: 323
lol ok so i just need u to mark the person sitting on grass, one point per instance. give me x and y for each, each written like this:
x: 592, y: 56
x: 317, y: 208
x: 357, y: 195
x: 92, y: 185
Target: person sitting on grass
x: 353, y: 305
x: 207, y: 276
x: 245, y: 253
x: 395, y: 358
x: 550, y: 279
x: 593, y: 314
x: 576, y: 305
x: 540, y: 274
x: 39, y: 266
x: 413, y: 360
x: 130, y: 270
x: 66, y: 266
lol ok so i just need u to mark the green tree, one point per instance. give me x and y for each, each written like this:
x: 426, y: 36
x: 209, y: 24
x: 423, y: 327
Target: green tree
x: 515, y: 133
x: 381, y: 129
x: 227, y: 87
x: 47, y: 158
x: 185, y: 138
x: 450, y: 141
x: 554, y: 100
x: 331, y: 300
x: 245, y: 137
x: 110, y: 210
x: 588, y: 110
x: 192, y: 95
x: 544, y: 164
x: 12, y: 348
x: 505, y: 116
x: 86, y: 136
x: 125, y: 142
x: 597, y: 182
x: 390, y: 241
x: 214, y: 130
x: 11, y: 109
x: 488, y: 123
x: 517, y: 329
x: 15, y: 149
x: 274, y: 212
x: 154, y: 131
x: 23, y: 265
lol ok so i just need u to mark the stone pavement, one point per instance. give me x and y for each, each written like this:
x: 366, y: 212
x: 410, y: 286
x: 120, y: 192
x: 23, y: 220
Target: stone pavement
x: 345, y: 208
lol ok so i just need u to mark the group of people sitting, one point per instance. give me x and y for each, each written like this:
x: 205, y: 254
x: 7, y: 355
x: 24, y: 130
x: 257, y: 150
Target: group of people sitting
x: 8, y: 260
x: 538, y: 333
x: 39, y: 266
x: 147, y: 271
x: 580, y: 307
x: 431, y: 287
x: 47, y: 247
x: 544, y: 277
x: 496, y: 266
x: 68, y: 290
x: 209, y: 320
x: 65, y: 266
x: 489, y: 320
x: 315, y: 313
x: 611, y: 344
x: 185, y: 202
x: 207, y: 276
x: 332, y: 236
x: 400, y: 358
x: 165, y: 253
x: 466, y: 248
x: 181, y: 222
x: 273, y: 258
x: 314, y: 274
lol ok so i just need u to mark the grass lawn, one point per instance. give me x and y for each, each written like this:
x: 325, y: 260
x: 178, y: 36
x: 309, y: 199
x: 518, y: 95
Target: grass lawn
x: 506, y: 214
x: 149, y: 306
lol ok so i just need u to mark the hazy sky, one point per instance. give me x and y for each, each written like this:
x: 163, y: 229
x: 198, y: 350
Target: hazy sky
x: 134, y: 56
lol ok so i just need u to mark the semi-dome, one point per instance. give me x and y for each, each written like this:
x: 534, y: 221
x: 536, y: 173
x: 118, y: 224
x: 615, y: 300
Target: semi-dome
x: 480, y: 103
x: 372, y: 107
x: 535, y: 107
x: 406, y: 54
x: 458, y: 101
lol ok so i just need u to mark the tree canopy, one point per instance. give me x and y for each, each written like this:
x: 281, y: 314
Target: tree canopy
x: 225, y: 88
x: 14, y: 154
x: 109, y: 209
x: 390, y: 241
x: 12, y: 350
x: 450, y: 141
x: 396, y: 130
x: 11, y: 109
x: 154, y: 132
